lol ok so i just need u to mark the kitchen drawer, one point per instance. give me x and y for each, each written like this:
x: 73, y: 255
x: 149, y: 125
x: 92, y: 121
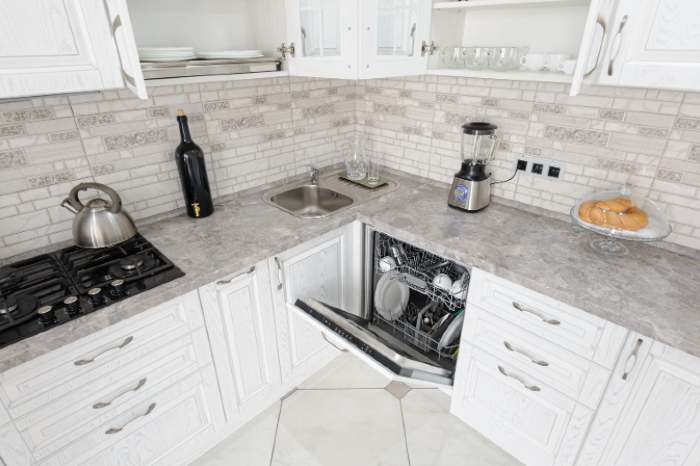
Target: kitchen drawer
x: 573, y: 329
x: 569, y: 373
x: 53, y: 426
x: 60, y: 372
x: 533, y: 422
x: 164, y: 428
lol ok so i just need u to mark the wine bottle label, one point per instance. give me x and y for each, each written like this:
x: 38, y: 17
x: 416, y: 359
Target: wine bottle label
x: 197, y: 208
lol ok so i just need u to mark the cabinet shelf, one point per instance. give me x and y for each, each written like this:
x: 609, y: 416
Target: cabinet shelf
x: 516, y: 75
x: 454, y: 5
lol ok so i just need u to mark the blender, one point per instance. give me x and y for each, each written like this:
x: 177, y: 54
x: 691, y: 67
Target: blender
x: 471, y: 188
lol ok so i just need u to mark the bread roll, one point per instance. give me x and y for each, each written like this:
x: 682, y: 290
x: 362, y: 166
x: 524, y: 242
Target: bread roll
x: 618, y: 213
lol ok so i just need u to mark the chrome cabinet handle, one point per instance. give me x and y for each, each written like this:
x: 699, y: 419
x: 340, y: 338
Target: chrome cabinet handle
x: 412, y: 35
x: 600, y: 21
x: 226, y: 282
x: 135, y: 388
x: 633, y: 358
x: 532, y: 388
x: 82, y: 362
x: 303, y: 41
x: 532, y: 359
x: 333, y: 344
x: 617, y: 45
x: 116, y: 430
x: 116, y: 24
x: 279, y: 273
x: 535, y: 313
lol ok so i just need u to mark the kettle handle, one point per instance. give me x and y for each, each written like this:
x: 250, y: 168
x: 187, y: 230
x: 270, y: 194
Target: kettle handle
x: 115, y: 204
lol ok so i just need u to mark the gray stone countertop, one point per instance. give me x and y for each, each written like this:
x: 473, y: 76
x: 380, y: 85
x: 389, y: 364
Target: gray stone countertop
x: 651, y: 290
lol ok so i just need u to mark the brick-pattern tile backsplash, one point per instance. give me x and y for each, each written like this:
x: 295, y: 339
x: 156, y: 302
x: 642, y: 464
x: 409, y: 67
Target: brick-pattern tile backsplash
x: 253, y: 132
x: 605, y: 138
x: 260, y: 131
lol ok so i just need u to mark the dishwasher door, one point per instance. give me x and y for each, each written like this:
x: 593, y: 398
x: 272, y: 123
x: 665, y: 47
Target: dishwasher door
x: 371, y: 344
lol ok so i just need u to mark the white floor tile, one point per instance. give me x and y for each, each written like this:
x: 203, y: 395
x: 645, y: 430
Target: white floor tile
x: 436, y: 438
x: 346, y: 371
x: 250, y: 446
x: 340, y: 428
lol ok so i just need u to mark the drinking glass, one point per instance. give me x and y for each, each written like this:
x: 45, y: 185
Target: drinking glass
x: 373, y: 172
x: 355, y: 159
x: 475, y: 58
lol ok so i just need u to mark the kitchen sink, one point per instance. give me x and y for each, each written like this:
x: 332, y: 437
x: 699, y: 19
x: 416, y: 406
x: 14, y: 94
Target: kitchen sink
x: 309, y: 201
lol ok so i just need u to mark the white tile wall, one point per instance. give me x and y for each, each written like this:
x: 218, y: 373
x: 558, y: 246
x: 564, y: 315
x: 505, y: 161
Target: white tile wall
x: 259, y: 131
x: 604, y: 138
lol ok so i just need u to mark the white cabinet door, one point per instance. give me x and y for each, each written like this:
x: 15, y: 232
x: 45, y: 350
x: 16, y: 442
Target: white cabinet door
x: 533, y: 422
x: 13, y: 451
x: 324, y: 37
x: 60, y: 46
x: 654, y: 43
x: 392, y: 35
x: 650, y: 413
x: 324, y: 270
x: 239, y: 317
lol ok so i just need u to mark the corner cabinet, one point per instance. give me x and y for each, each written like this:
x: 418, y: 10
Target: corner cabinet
x: 650, y: 413
x: 239, y: 317
x: 328, y: 269
x: 61, y: 46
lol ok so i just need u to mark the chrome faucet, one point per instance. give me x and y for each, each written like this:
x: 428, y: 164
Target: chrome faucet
x: 315, y: 174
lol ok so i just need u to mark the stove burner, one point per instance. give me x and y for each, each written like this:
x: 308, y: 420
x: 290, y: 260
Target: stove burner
x: 131, y: 263
x: 9, y: 277
x: 8, y: 305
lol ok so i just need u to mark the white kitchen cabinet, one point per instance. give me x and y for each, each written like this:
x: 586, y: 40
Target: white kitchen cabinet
x: 60, y: 46
x: 327, y: 269
x: 239, y: 316
x: 654, y: 43
x: 649, y: 414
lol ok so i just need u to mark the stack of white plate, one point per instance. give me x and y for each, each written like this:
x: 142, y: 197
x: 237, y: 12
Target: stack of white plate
x: 161, y: 54
x: 229, y: 54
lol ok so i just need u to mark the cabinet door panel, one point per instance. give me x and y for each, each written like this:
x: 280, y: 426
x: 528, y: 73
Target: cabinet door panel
x: 58, y: 46
x: 652, y: 416
x: 324, y: 34
x: 392, y: 34
x: 656, y: 44
x: 239, y: 317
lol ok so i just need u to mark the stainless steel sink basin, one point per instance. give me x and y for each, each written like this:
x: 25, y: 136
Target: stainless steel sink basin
x: 309, y: 201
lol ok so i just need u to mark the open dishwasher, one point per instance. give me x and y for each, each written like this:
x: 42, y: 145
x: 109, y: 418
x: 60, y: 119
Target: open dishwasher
x: 412, y: 313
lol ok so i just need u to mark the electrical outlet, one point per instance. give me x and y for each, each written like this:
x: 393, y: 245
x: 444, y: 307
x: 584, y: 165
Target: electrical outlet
x: 553, y: 171
x: 522, y: 165
x: 537, y: 168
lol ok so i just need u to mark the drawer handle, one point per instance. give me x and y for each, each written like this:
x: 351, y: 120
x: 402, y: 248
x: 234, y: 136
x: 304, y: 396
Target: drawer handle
x: 116, y: 430
x: 532, y: 359
x: 343, y: 350
x: 137, y: 387
x: 532, y: 388
x: 632, y: 359
x: 226, y: 282
x: 82, y: 362
x: 535, y: 313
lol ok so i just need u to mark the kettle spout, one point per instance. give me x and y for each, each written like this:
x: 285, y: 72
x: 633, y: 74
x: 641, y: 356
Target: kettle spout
x: 69, y: 205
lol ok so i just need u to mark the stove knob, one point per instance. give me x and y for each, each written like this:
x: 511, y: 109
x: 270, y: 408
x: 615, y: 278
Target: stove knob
x: 117, y: 288
x: 95, y: 296
x: 72, y: 305
x: 47, y: 315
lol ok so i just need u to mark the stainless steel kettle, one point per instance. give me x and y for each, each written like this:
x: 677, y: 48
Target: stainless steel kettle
x: 100, y: 223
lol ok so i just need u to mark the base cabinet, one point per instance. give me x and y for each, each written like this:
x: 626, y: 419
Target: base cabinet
x: 239, y: 316
x: 650, y: 414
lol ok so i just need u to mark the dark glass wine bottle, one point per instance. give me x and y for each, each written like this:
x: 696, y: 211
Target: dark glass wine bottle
x: 193, y: 173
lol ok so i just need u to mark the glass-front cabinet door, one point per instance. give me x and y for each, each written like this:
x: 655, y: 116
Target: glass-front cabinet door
x: 323, y: 38
x: 393, y: 33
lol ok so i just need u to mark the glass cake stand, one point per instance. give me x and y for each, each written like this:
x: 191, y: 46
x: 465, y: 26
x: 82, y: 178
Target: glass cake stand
x: 657, y: 229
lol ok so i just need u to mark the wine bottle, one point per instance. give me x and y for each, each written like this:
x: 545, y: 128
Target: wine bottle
x: 193, y: 173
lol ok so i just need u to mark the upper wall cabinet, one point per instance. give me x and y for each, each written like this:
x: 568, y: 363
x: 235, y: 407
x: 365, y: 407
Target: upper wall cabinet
x: 323, y: 38
x: 60, y: 46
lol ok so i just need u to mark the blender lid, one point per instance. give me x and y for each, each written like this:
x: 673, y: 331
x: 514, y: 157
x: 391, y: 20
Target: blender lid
x: 479, y: 128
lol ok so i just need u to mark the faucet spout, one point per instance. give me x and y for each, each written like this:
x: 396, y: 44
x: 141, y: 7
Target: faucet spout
x: 315, y: 174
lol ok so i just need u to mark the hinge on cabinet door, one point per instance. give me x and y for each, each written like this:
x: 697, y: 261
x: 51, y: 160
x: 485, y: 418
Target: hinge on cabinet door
x: 428, y: 48
x: 286, y: 49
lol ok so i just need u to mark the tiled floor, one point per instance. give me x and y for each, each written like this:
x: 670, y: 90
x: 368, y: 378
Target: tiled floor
x: 349, y: 415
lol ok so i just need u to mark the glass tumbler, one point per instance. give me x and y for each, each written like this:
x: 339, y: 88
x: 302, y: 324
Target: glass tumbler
x: 475, y: 58
x: 506, y: 58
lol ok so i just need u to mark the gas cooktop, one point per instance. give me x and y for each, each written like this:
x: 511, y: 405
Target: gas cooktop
x: 49, y: 290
